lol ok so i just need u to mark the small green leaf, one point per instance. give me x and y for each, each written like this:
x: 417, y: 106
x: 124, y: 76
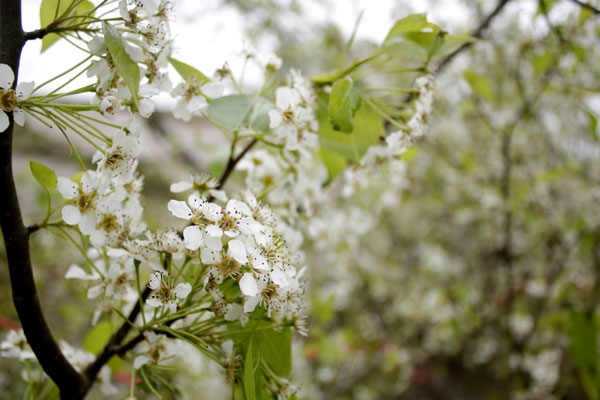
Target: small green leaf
x: 344, y: 102
x: 229, y: 112
x: 368, y: 128
x: 128, y: 69
x: 187, y: 72
x: 44, y: 175
x: 480, y: 84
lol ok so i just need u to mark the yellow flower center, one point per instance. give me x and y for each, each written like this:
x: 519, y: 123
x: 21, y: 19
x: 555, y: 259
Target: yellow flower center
x: 8, y: 100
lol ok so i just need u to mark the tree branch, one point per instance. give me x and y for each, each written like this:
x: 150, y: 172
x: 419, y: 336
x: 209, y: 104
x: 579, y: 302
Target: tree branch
x: 16, y: 236
x: 587, y: 6
x: 477, y: 33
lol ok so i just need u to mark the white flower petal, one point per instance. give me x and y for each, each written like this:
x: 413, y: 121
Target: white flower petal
x: 233, y: 312
x: 19, y: 116
x: 67, y: 188
x: 237, y: 250
x: 71, y: 215
x: 7, y: 76
x: 182, y: 290
x: 208, y: 256
x: 180, y: 209
x: 251, y: 303
x: 179, y: 187
x: 193, y: 237
x: 24, y: 90
x: 248, y: 285
x: 3, y: 121
x: 155, y: 280
x: 279, y: 278
x: 140, y: 361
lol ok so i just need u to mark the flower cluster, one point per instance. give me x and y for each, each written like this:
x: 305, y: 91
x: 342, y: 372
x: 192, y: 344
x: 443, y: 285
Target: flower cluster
x: 106, y: 201
x: 238, y: 242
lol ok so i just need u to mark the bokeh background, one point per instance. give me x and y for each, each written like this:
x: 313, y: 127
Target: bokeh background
x: 481, y: 279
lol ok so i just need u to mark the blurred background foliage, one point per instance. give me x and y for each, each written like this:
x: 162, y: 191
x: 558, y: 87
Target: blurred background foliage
x: 482, y: 280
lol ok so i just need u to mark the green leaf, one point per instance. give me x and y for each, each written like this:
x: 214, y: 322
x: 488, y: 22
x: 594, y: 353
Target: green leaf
x: 258, y: 119
x: 344, y: 102
x: 97, y: 337
x: 413, y: 38
x: 229, y: 112
x: 128, y: 69
x: 276, y: 349
x: 412, y: 23
x: 368, y: 128
x: 187, y: 72
x: 251, y: 373
x: 44, y: 175
x: 480, y: 84
x: 53, y: 11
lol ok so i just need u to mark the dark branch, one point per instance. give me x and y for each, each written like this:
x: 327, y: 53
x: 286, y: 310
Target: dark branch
x: 232, y: 162
x: 587, y: 6
x: 477, y: 33
x: 16, y: 236
x: 37, y: 34
x: 114, y: 344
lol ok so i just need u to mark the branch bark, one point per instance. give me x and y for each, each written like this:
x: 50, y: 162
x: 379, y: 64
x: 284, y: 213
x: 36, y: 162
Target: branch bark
x: 16, y: 235
x: 477, y: 33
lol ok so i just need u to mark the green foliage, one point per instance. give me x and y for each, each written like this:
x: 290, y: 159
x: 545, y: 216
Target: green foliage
x: 187, y: 72
x: 415, y: 38
x: 44, y: 175
x: 583, y: 349
x: 344, y: 103
x: 368, y: 128
x: 55, y: 13
x: 128, y: 69
x: 239, y: 110
x: 480, y: 84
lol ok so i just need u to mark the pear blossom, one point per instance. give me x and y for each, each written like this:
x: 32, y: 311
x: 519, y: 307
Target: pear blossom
x: 164, y: 293
x: 10, y: 99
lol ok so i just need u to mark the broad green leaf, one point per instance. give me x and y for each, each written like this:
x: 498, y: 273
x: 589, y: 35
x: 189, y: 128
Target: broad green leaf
x: 187, y: 72
x: 412, y: 38
x: 229, y: 112
x: 480, y: 84
x: 368, y: 128
x: 276, y: 349
x: 128, y: 69
x: 344, y: 102
x: 44, y: 175
x: 258, y: 119
x: 53, y: 10
x: 251, y: 372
